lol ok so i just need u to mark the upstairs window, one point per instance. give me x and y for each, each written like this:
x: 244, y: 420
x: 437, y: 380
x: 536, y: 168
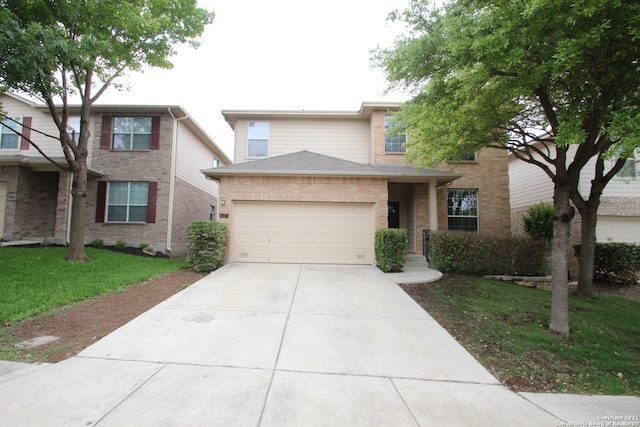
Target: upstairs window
x: 216, y: 162
x: 628, y: 170
x: 73, y: 128
x: 465, y: 157
x: 127, y: 201
x: 8, y: 137
x: 395, y: 135
x: 132, y: 133
x: 258, y: 139
x: 462, y: 209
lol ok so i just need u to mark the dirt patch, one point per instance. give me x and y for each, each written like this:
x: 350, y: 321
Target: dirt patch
x: 83, y: 324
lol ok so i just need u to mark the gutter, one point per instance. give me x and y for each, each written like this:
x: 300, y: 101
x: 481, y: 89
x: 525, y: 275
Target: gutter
x: 172, y: 176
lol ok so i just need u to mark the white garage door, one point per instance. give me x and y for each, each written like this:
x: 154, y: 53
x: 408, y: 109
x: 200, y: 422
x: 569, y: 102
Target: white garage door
x: 618, y: 229
x: 319, y: 233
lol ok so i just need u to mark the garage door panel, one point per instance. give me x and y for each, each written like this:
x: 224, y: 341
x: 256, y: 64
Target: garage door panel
x: 303, y: 232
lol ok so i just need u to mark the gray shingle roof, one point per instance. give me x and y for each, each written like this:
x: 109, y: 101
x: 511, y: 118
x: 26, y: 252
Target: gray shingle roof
x: 313, y: 164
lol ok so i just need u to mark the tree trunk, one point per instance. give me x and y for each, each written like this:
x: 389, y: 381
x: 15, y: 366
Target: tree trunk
x: 563, y: 213
x: 78, y: 207
x: 587, y: 250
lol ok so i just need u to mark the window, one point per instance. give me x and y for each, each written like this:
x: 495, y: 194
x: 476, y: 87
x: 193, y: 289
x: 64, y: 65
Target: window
x: 258, y: 139
x: 628, y: 170
x: 465, y: 157
x: 8, y: 136
x: 216, y: 162
x: 127, y: 201
x: 395, y: 135
x: 132, y: 133
x: 73, y: 128
x: 462, y: 210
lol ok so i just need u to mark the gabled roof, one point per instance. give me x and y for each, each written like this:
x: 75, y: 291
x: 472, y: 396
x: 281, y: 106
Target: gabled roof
x: 306, y: 163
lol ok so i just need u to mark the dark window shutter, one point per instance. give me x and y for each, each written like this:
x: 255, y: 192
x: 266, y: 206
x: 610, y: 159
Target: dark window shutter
x: 102, y: 201
x: 105, y: 135
x: 155, y: 133
x: 151, y: 202
x: 26, y: 133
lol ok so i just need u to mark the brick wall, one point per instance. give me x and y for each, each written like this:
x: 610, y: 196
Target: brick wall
x: 31, y: 203
x: 190, y: 204
x: 490, y: 176
x: 148, y: 165
x: 306, y: 189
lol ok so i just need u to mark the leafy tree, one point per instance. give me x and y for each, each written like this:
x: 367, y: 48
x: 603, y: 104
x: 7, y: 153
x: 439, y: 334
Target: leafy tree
x: 53, y: 50
x: 555, y: 82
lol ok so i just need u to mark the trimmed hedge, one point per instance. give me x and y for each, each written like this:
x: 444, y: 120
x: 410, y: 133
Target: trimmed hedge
x: 475, y: 253
x: 391, y: 249
x: 206, y: 241
x: 615, y: 263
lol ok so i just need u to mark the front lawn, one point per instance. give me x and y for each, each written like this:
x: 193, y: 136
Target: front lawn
x: 506, y: 328
x: 38, y: 280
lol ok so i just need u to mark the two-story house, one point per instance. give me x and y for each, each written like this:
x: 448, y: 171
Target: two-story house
x: 145, y: 184
x: 618, y: 214
x: 314, y: 186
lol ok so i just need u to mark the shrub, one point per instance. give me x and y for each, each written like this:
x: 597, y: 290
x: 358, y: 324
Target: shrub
x: 391, y: 249
x: 538, y: 222
x: 615, y: 263
x: 206, y: 241
x: 97, y: 243
x: 121, y: 244
x: 466, y: 252
x: 144, y: 245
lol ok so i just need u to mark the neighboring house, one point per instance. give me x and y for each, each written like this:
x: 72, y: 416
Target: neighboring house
x: 145, y: 184
x: 313, y: 186
x: 618, y: 214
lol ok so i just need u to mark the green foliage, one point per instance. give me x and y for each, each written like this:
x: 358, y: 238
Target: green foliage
x: 206, y: 241
x: 144, y: 245
x: 391, y: 249
x: 504, y: 326
x: 615, y: 263
x: 37, y: 280
x: 121, y: 244
x: 464, y: 252
x: 97, y: 243
x: 538, y: 222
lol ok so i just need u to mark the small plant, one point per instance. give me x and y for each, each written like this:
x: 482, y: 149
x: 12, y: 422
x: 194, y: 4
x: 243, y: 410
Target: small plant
x: 121, y: 244
x: 538, y: 222
x: 391, y: 249
x: 97, y: 243
x: 144, y: 245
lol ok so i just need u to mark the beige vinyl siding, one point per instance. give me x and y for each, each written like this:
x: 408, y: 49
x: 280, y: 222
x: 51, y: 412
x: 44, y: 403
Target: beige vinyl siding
x: 618, y: 229
x: 192, y: 156
x: 41, y: 120
x: 347, y: 139
x: 529, y: 185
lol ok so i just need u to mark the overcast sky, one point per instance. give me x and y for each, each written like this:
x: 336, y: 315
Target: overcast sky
x: 274, y: 54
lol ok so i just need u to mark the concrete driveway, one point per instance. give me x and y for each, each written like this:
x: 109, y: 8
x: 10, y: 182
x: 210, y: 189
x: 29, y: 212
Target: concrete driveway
x: 276, y: 345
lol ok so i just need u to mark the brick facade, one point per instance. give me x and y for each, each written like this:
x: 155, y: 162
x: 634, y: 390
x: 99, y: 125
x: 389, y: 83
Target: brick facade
x: 305, y: 189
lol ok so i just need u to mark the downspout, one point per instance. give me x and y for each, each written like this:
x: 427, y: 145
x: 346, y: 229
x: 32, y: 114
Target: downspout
x: 172, y: 176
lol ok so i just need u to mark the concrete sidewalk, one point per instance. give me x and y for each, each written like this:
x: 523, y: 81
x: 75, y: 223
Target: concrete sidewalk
x: 283, y: 345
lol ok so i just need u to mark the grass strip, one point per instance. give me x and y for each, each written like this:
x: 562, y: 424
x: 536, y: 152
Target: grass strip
x: 39, y: 280
x: 506, y: 328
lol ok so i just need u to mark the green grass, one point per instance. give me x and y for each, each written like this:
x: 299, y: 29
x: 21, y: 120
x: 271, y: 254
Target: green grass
x: 506, y: 328
x: 39, y: 280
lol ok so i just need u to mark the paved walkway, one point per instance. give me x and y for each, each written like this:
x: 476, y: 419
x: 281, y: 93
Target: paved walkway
x: 283, y: 345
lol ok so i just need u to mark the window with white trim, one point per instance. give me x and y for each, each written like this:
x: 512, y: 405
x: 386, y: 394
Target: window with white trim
x: 462, y: 209
x: 258, y: 139
x: 127, y: 201
x: 131, y: 133
x: 73, y: 128
x: 395, y: 135
x: 8, y: 137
